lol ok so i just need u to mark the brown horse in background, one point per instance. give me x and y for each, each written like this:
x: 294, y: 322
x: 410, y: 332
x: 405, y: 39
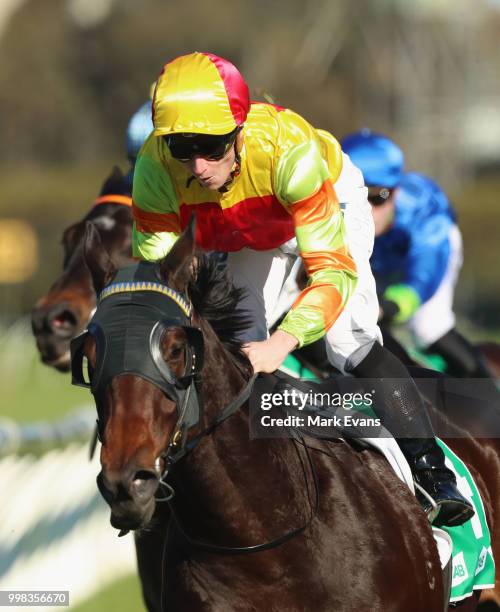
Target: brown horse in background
x: 368, y: 547
x: 63, y: 312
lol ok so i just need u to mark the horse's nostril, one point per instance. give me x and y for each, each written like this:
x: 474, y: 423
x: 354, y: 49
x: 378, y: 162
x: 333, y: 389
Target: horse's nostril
x: 63, y: 322
x: 144, y: 483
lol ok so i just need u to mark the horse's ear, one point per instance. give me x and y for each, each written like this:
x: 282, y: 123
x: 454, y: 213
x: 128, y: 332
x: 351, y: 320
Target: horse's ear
x: 114, y: 183
x: 116, y: 174
x: 71, y: 238
x: 176, y: 268
x: 97, y: 259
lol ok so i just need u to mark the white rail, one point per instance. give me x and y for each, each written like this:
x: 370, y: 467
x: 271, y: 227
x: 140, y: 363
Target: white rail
x: 54, y: 526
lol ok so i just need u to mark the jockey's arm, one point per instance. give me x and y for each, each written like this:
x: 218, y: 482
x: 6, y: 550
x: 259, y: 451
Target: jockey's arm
x: 426, y: 266
x: 305, y: 187
x: 155, y: 229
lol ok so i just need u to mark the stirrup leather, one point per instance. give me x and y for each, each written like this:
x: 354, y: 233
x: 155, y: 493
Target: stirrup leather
x: 433, y: 511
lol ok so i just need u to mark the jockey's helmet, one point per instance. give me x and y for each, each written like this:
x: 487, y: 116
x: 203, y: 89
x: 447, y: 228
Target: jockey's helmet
x: 380, y: 159
x: 200, y: 93
x: 139, y: 128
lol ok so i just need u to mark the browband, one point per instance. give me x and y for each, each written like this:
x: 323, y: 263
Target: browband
x: 114, y: 199
x: 127, y: 287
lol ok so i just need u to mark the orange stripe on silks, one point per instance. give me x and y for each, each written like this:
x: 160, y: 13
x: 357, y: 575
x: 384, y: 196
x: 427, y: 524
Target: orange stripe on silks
x: 151, y: 222
x: 114, y: 199
x: 332, y: 260
x: 320, y: 206
x: 323, y: 298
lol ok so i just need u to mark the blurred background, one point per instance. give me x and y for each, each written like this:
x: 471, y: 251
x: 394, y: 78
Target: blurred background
x: 72, y: 72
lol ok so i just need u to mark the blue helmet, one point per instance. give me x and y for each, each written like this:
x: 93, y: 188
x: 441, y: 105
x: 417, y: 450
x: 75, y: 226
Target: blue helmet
x: 380, y: 160
x: 139, y: 128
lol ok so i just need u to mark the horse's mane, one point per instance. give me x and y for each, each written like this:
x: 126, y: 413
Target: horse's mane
x: 215, y: 298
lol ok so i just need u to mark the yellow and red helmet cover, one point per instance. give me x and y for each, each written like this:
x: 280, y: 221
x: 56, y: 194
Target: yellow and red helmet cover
x: 199, y: 93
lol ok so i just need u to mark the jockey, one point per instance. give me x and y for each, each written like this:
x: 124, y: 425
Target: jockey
x: 139, y: 128
x: 417, y: 253
x: 266, y: 187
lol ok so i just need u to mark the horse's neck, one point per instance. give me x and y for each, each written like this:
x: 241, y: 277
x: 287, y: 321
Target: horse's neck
x: 255, y: 489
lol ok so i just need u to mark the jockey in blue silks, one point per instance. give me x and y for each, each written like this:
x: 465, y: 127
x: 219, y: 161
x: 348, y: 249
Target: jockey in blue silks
x: 418, y: 251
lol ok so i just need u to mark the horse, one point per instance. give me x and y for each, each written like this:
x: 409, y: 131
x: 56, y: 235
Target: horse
x: 65, y: 309
x: 52, y: 322
x: 256, y: 524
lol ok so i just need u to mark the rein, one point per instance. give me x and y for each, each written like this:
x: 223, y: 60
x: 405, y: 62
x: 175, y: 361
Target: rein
x: 231, y: 408
x: 241, y: 550
x: 172, y: 459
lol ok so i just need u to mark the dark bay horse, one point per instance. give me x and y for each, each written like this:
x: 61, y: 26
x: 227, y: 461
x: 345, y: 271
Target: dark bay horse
x: 360, y: 541
x: 65, y: 309
x: 74, y: 289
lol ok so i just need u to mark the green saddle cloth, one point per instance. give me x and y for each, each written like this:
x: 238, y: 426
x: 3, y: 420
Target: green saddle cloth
x: 472, y: 558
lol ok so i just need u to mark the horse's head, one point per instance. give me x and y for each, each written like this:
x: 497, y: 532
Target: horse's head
x: 65, y: 310
x: 143, y: 353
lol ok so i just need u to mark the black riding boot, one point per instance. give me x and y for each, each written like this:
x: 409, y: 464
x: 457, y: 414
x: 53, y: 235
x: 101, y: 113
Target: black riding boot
x: 400, y: 406
x: 462, y: 357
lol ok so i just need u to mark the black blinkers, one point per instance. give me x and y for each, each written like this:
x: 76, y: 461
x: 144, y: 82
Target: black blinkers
x: 132, y: 316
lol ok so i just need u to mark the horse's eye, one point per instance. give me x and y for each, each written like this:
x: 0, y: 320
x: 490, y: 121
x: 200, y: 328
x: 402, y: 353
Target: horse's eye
x: 176, y: 352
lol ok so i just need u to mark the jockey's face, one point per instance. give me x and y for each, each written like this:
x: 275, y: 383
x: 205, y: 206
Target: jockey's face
x: 383, y: 208
x: 211, y: 174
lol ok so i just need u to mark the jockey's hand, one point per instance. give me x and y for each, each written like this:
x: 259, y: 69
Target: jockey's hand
x: 268, y: 355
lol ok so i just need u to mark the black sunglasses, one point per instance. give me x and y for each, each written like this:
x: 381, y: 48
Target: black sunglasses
x: 379, y: 195
x: 183, y: 147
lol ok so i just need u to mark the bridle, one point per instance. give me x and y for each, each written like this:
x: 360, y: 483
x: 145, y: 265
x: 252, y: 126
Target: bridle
x: 132, y: 315
x: 137, y: 298
x: 110, y: 198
